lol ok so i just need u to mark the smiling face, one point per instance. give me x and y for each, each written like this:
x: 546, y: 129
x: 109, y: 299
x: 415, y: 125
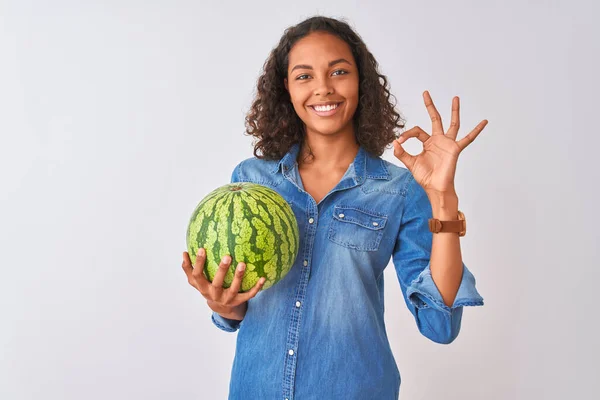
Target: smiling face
x: 322, y: 80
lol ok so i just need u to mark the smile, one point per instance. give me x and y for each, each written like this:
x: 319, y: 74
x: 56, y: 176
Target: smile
x: 325, y: 111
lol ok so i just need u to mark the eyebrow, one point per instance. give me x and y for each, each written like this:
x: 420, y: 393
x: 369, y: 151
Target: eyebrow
x: 331, y: 63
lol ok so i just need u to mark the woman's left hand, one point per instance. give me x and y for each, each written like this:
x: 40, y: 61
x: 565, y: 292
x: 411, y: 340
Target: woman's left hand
x: 435, y: 166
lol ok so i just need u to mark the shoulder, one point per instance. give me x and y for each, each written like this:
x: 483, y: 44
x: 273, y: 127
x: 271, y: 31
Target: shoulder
x: 397, y: 179
x: 398, y: 173
x: 403, y: 181
x: 255, y: 170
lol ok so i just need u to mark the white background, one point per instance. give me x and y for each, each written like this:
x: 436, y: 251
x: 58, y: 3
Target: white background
x: 118, y: 117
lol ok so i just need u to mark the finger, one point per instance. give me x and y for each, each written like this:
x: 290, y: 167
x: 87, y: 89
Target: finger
x: 222, y: 271
x: 198, y: 276
x: 467, y: 140
x: 237, y: 280
x: 402, y: 155
x: 455, y: 121
x: 187, y: 265
x: 436, y: 119
x: 415, y: 132
x: 242, y: 297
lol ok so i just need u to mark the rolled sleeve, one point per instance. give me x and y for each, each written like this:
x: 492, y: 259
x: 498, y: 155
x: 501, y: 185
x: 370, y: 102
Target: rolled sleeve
x: 412, y: 256
x: 225, y: 324
x: 423, y: 292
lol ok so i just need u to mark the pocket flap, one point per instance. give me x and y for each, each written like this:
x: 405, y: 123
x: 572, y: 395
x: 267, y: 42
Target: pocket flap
x: 367, y: 219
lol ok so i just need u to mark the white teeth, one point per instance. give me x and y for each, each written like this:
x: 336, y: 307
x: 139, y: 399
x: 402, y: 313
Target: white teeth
x: 325, y: 108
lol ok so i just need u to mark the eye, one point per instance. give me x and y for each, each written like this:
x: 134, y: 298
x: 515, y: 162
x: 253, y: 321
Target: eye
x: 299, y: 78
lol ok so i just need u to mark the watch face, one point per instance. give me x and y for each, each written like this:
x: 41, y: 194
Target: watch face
x: 461, y: 216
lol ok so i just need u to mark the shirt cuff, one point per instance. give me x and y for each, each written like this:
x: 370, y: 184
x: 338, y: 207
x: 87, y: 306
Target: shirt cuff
x: 423, y: 292
x: 225, y: 324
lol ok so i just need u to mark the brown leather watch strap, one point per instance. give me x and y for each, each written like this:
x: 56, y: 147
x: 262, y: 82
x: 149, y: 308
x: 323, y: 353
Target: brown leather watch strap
x: 435, y: 225
x: 459, y: 225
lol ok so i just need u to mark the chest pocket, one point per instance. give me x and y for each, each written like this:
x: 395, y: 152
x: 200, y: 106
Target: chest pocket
x: 356, y: 228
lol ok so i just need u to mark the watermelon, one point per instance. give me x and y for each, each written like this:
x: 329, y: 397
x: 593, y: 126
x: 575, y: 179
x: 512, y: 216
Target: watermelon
x: 250, y: 222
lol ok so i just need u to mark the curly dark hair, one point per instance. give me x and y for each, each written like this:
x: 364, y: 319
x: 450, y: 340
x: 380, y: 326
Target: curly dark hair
x: 272, y: 119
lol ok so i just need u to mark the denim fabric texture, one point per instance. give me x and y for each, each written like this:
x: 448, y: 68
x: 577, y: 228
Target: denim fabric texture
x: 319, y: 333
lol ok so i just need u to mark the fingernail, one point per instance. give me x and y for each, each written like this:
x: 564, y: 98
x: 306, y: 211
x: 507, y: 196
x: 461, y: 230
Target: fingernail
x: 201, y: 252
x: 225, y: 259
x: 241, y: 266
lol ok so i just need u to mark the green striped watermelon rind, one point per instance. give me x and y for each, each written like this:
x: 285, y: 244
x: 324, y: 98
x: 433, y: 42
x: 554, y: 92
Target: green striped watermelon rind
x: 266, y: 211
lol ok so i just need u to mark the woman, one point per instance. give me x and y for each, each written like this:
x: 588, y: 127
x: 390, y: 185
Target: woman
x: 323, y: 117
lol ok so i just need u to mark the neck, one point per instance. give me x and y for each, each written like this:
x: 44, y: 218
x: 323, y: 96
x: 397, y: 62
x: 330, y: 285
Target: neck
x: 329, y: 153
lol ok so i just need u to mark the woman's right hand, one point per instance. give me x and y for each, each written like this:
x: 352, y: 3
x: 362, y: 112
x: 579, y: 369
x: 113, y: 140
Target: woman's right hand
x: 225, y: 301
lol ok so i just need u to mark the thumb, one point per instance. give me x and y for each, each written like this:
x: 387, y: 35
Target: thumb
x: 402, y: 154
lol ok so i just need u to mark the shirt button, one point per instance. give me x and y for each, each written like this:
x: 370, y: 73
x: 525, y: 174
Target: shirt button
x: 305, y: 263
x: 375, y: 224
x: 297, y: 304
x: 310, y: 221
x: 291, y: 352
x: 341, y: 215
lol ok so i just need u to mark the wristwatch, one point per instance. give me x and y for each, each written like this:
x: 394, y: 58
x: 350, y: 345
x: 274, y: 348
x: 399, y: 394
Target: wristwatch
x: 459, y: 225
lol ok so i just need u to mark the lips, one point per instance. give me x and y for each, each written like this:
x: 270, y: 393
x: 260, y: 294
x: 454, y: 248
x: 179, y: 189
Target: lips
x: 326, y: 113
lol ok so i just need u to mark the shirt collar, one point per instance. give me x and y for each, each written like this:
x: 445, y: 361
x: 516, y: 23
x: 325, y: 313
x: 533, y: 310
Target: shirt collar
x: 365, y: 164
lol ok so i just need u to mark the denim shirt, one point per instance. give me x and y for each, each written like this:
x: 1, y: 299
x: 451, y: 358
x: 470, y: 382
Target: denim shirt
x: 319, y: 333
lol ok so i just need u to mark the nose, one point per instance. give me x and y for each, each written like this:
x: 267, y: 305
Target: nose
x: 323, y: 87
